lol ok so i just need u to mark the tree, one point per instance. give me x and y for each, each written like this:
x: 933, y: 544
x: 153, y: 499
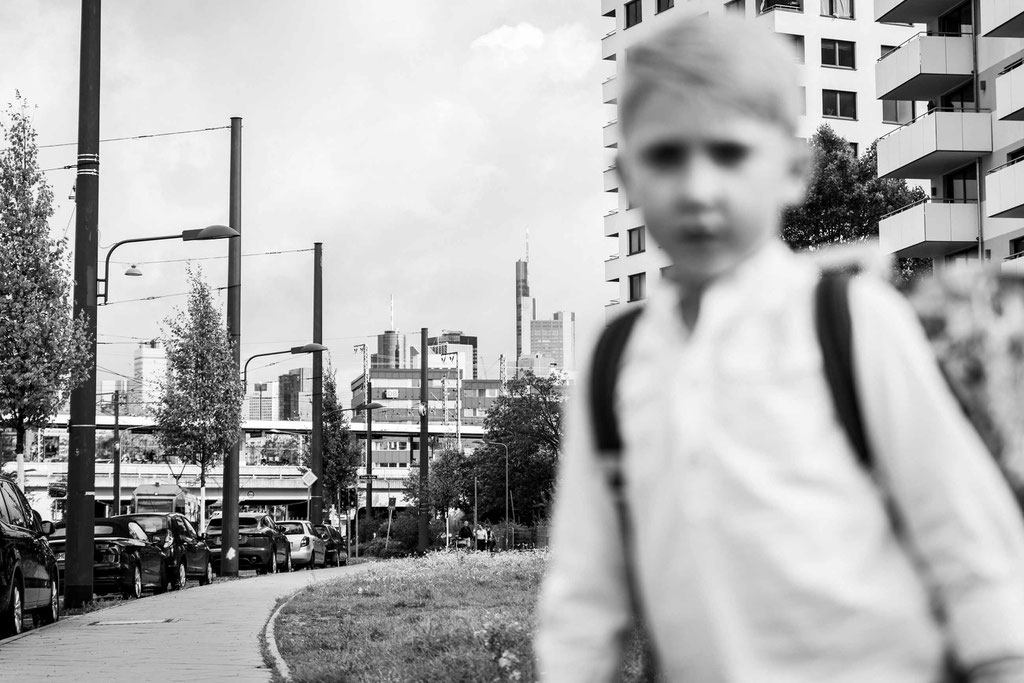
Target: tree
x: 846, y: 199
x: 339, y: 448
x: 528, y: 420
x: 446, y: 483
x: 199, y: 414
x: 44, y: 351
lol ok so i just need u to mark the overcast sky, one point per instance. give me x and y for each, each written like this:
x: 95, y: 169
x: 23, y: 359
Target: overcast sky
x: 419, y: 140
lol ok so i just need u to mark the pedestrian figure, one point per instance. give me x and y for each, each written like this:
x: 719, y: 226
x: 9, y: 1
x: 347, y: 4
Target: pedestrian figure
x: 465, y: 536
x: 768, y: 551
x: 481, y: 537
x: 490, y: 538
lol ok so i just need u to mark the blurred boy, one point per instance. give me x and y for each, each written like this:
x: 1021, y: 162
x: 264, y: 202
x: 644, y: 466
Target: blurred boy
x: 762, y: 549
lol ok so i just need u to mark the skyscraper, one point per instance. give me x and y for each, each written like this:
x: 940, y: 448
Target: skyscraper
x: 526, y: 309
x: 555, y: 339
x: 150, y: 372
x: 454, y: 341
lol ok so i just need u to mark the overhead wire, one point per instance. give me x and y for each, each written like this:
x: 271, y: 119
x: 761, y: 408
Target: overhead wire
x: 139, y: 137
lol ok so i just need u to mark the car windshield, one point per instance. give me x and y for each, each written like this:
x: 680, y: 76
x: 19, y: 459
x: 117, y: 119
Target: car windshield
x: 151, y: 523
x: 291, y: 528
x: 216, y: 522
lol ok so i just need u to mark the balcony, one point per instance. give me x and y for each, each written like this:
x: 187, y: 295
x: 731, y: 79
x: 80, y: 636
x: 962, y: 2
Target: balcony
x: 610, y: 90
x: 930, y: 228
x: 913, y: 11
x: 611, y: 268
x: 1013, y: 265
x: 1004, y: 190
x: 611, y: 179
x: 1010, y: 93
x: 611, y: 134
x: 1002, y: 18
x: 611, y: 224
x: 924, y: 67
x: 608, y: 46
x: 783, y: 17
x: 608, y: 7
x: 934, y: 143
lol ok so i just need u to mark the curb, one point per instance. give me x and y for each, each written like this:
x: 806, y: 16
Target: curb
x: 279, y: 664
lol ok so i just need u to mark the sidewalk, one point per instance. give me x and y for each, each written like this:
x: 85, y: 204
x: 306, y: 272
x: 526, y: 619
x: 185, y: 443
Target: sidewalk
x: 203, y: 633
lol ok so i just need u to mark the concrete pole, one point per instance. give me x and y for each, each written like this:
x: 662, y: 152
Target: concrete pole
x: 229, y: 485
x: 117, y: 452
x: 316, y: 445
x: 424, y: 517
x: 81, y: 511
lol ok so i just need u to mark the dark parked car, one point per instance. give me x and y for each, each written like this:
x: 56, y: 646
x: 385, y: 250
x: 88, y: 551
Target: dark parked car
x: 29, y: 578
x: 337, y: 548
x: 186, y: 556
x: 125, y: 561
x: 261, y: 545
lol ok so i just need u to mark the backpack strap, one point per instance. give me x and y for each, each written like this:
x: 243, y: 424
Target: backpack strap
x: 604, y: 375
x: 834, y: 327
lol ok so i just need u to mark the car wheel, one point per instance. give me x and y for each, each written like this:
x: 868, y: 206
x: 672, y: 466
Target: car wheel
x: 12, y: 617
x: 51, y: 612
x: 207, y: 577
x: 134, y: 589
x: 181, y: 578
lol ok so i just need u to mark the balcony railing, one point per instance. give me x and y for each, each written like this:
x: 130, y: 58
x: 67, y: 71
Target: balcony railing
x: 1004, y: 188
x: 924, y: 66
x: 781, y: 5
x: 935, y: 143
x: 1010, y: 92
x: 1002, y: 18
x: 929, y: 228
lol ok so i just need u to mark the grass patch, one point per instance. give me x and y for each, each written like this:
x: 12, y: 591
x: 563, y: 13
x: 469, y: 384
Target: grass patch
x: 456, y: 617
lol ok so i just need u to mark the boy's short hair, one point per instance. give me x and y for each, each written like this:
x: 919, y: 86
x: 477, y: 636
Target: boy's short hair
x: 720, y: 61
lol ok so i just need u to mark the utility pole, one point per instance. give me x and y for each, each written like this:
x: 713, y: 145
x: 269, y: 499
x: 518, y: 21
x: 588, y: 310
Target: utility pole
x: 81, y: 511
x: 117, y: 452
x: 316, y: 445
x: 424, y: 518
x: 369, y: 453
x: 229, y: 485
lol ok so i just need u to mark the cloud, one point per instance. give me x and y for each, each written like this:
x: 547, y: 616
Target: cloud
x: 511, y: 44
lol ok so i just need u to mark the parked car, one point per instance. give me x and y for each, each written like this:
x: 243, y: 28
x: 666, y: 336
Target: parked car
x: 186, y: 556
x: 29, y: 578
x: 260, y: 543
x: 337, y: 546
x: 308, y: 549
x: 125, y: 561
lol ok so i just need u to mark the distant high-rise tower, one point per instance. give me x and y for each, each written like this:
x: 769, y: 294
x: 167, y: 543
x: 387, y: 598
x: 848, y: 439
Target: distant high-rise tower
x: 526, y: 309
x: 150, y: 371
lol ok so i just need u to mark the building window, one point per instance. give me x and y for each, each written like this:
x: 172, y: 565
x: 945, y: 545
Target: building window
x: 837, y: 8
x: 736, y: 7
x: 957, y: 22
x: 1016, y: 246
x: 962, y: 185
x: 634, y: 13
x: 803, y: 100
x: 638, y: 286
x: 958, y: 100
x: 666, y: 4
x: 637, y: 240
x: 839, y: 104
x: 798, y: 45
x: 854, y: 149
x: 768, y: 5
x: 898, y: 111
x: 837, y: 53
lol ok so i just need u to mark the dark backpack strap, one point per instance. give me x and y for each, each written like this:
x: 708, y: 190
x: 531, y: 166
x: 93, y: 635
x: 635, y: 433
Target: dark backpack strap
x: 604, y: 375
x: 834, y: 327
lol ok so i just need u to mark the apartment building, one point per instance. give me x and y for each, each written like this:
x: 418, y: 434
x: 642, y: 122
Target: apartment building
x: 836, y: 43
x: 965, y: 62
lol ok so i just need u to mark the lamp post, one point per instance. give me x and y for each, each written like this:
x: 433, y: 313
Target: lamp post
x: 307, y: 348
x: 210, y: 232
x: 498, y: 443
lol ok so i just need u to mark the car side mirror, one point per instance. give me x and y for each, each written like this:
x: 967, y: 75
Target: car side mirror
x: 47, y: 527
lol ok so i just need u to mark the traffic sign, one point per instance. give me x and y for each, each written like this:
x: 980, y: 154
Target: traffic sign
x: 308, y: 479
x: 364, y: 477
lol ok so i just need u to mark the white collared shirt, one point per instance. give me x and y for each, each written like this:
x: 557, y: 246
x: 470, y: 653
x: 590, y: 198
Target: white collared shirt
x: 763, y: 549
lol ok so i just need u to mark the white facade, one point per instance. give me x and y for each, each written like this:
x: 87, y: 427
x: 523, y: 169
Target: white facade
x: 150, y: 373
x: 635, y: 261
x: 966, y: 147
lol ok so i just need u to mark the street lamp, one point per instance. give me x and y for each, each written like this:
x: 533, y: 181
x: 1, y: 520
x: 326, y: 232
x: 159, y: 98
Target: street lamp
x: 498, y: 443
x: 210, y: 232
x: 307, y: 348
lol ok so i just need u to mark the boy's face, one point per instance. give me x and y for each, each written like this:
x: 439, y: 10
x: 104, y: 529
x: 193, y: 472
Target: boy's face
x: 711, y: 183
